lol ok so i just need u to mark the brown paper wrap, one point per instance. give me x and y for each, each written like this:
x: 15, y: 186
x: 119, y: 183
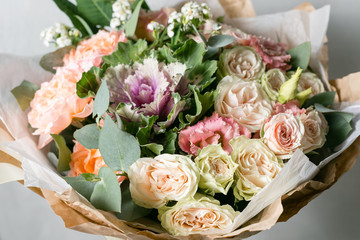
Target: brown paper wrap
x: 78, y: 214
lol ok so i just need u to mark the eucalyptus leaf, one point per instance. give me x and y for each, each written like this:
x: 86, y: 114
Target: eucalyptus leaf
x: 101, y: 102
x: 64, y: 153
x: 126, y: 53
x: 24, y: 93
x: 88, y: 85
x: 107, y: 193
x: 339, y: 129
x: 81, y: 185
x: 191, y: 53
x: 218, y: 41
x: 130, y: 211
x: 300, y: 56
x: 131, y: 24
x: 88, y: 136
x: 96, y: 12
x: 119, y: 149
x: 54, y: 59
x: 324, y: 98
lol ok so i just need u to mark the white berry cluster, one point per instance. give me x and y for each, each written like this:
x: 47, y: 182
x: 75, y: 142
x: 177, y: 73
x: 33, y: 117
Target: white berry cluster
x: 121, y: 13
x: 60, y: 35
x: 191, y: 13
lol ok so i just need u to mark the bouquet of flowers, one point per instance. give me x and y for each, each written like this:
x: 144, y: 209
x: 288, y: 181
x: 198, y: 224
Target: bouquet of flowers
x: 174, y: 118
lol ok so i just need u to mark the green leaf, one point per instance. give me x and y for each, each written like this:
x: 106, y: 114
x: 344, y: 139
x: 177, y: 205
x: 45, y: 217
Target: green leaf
x: 219, y: 41
x: 107, y: 193
x: 64, y: 153
x: 88, y: 136
x: 325, y: 98
x: 54, y: 59
x: 165, y: 55
x: 24, y: 93
x: 154, y: 148
x: 126, y: 53
x: 303, y: 96
x: 96, y: 12
x: 119, y: 149
x: 72, y: 12
x: 101, y: 102
x: 85, y: 25
x: 90, y: 177
x: 89, y: 83
x: 202, y: 74
x: 202, y: 104
x: 170, y: 141
x: 131, y: 24
x: 288, y: 89
x: 300, y: 56
x: 191, y: 53
x: 129, y: 210
x: 347, y: 116
x: 81, y: 185
x: 339, y: 128
x: 144, y: 133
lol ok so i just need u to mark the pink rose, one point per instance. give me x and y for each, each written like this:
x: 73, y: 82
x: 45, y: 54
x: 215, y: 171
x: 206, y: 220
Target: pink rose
x: 283, y: 134
x: 211, y: 131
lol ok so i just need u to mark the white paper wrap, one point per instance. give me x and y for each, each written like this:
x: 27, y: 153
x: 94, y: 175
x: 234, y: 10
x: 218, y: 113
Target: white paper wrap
x: 293, y: 28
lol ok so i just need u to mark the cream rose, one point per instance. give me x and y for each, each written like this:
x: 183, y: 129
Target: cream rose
x: 242, y: 62
x: 216, y: 169
x: 309, y: 79
x: 316, y: 128
x: 200, y: 215
x: 257, y: 166
x: 283, y: 134
x: 154, y: 182
x: 271, y: 82
x: 244, y: 101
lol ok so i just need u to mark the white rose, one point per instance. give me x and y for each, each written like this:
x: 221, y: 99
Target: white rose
x: 271, y: 82
x: 257, y: 166
x: 216, y: 169
x: 200, y: 215
x: 283, y: 134
x: 316, y: 128
x: 244, y: 101
x: 242, y: 62
x: 309, y: 79
x: 154, y: 182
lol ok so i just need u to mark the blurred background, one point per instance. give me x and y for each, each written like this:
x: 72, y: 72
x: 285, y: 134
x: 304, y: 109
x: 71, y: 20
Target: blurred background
x: 335, y: 214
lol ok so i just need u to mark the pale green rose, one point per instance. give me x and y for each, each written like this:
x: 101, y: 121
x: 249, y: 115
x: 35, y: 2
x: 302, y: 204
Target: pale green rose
x: 257, y: 166
x: 216, y: 169
x: 167, y: 177
x: 242, y: 62
x: 271, y: 82
x: 198, y: 215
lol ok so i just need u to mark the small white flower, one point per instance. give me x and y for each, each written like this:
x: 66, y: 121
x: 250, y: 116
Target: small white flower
x: 155, y: 26
x: 114, y: 23
x: 63, y: 41
x: 121, y: 13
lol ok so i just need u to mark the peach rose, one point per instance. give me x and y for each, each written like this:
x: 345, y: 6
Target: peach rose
x: 244, y: 101
x: 54, y: 106
x: 154, y: 182
x: 85, y: 160
x: 257, y: 166
x: 316, y: 128
x: 283, y: 134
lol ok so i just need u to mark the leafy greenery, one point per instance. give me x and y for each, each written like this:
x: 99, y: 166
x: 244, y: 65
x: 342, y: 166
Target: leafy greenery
x: 191, y: 53
x: 24, y: 93
x: 170, y: 141
x: 107, y: 194
x: 218, y: 41
x: 88, y: 136
x: 54, y: 59
x: 88, y: 85
x: 300, y: 56
x: 64, y: 153
x: 101, y: 102
x: 325, y: 98
x: 131, y: 24
x: 82, y: 185
x: 127, y: 53
x: 119, y: 149
x: 96, y: 12
x: 201, y: 75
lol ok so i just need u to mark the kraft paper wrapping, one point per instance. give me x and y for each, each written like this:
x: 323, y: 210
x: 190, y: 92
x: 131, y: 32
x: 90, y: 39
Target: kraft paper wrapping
x: 78, y: 214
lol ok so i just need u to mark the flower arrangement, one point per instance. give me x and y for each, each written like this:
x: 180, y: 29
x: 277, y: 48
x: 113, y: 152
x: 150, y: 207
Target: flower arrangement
x: 174, y: 117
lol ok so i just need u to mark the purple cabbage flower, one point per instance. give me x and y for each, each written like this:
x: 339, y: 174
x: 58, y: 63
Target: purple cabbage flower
x: 146, y: 88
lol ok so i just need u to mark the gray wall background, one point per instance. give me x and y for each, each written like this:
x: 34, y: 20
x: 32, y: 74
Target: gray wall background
x: 333, y: 215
